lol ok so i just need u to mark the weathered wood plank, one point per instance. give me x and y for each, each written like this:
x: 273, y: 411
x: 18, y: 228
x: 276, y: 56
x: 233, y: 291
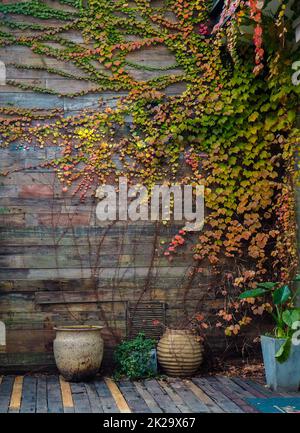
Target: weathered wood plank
x: 106, y: 399
x: 38, y: 340
x: 71, y: 258
x: 6, y: 387
x: 96, y: 406
x: 223, y: 401
x: 146, y: 395
x: 252, y: 390
x: 26, y: 360
x: 174, y: 397
x: 41, y: 395
x: 54, y: 395
x: 28, y: 404
x: 265, y: 390
x: 80, y: 398
x: 195, y: 405
x: 135, y: 401
x: 107, y: 273
x: 160, y: 396
x: 117, y: 395
x: 230, y: 389
x: 16, y: 396
x: 202, y: 396
x: 66, y: 394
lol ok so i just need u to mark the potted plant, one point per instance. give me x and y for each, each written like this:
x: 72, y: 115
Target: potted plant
x: 180, y: 349
x: 136, y: 358
x: 78, y: 351
x: 281, y: 349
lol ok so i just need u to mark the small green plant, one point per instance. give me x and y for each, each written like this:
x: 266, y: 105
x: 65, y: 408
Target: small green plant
x: 283, y: 311
x: 132, y: 358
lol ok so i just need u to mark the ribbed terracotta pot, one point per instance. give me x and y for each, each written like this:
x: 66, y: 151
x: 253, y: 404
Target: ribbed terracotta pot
x: 78, y: 351
x: 179, y: 353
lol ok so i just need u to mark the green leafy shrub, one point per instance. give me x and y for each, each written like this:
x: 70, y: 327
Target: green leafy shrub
x: 132, y: 358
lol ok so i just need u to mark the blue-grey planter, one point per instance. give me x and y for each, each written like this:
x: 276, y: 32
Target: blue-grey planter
x: 153, y: 361
x: 284, y: 376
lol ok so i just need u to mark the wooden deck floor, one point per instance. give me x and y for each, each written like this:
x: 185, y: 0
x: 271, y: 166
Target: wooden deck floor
x: 51, y: 394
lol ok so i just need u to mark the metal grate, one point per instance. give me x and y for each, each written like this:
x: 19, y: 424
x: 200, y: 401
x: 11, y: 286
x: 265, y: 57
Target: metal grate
x: 140, y: 317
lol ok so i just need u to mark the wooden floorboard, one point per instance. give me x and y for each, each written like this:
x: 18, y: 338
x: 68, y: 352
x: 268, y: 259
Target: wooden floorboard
x: 201, y: 395
x: 195, y: 405
x: 28, y: 404
x: 66, y: 395
x: 135, y: 401
x: 161, y: 397
x: 6, y: 388
x: 174, y: 396
x: 80, y: 398
x: 16, y: 396
x: 264, y: 390
x: 146, y: 395
x: 117, y: 396
x: 52, y: 394
x: 239, y: 392
x: 228, y: 389
x: 54, y: 399
x: 41, y: 395
x: 222, y: 400
x: 106, y: 399
x: 96, y: 406
x: 255, y: 393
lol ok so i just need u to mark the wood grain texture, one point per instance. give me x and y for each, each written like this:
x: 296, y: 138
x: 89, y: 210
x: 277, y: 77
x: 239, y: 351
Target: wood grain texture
x: 54, y: 398
x: 160, y: 396
x: 107, y: 401
x: 28, y: 404
x: 177, y: 399
x: 217, y: 395
x: 66, y: 394
x: 96, y: 406
x: 16, y: 396
x: 146, y: 395
x: 80, y: 398
x: 133, y: 398
x: 117, y: 395
x: 202, y: 396
x: 6, y: 387
x: 48, y: 394
x: 195, y: 405
x: 41, y: 395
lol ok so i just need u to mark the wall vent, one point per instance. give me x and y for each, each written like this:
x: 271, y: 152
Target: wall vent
x: 140, y: 317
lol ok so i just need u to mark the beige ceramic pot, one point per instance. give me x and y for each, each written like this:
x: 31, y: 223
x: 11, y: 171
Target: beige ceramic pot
x: 179, y: 353
x: 78, y: 351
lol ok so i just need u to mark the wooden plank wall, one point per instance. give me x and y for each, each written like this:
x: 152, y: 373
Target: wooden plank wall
x: 58, y: 265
